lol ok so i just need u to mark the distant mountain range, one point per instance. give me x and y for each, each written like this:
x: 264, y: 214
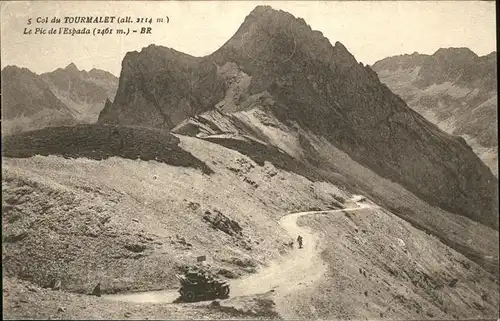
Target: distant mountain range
x: 453, y: 88
x: 63, y: 97
x: 279, y: 86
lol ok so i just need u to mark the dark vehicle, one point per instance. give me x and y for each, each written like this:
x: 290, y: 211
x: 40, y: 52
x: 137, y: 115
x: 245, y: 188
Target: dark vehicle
x: 196, y: 286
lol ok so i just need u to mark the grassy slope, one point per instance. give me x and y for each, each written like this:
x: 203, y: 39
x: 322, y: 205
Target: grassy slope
x: 101, y: 142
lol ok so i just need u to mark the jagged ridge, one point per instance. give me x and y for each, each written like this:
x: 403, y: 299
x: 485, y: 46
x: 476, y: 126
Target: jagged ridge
x: 322, y: 88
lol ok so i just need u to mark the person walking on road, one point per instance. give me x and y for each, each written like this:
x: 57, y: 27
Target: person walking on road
x: 299, y: 240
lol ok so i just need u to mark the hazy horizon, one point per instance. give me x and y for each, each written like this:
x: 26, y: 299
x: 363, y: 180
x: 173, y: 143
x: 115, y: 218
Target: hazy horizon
x: 370, y: 30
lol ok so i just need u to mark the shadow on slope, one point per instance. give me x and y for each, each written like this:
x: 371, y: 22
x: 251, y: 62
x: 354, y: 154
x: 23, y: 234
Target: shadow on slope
x: 101, y: 142
x: 260, y: 153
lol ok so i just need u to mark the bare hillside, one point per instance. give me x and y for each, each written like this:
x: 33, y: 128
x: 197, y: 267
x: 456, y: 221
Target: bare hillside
x: 142, y: 220
x: 132, y: 224
x: 261, y: 136
x: 381, y: 267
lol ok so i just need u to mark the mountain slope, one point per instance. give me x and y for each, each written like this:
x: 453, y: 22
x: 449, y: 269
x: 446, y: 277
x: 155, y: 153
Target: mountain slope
x: 63, y: 97
x: 142, y: 219
x: 453, y: 88
x: 28, y: 103
x: 132, y: 224
x: 271, y: 124
x: 276, y: 63
x: 85, y: 93
x: 160, y: 87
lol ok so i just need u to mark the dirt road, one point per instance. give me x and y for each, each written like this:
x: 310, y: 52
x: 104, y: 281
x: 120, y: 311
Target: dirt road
x: 298, y: 270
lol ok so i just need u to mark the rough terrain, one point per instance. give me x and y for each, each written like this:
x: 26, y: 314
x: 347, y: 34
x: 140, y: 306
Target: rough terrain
x: 146, y: 216
x: 28, y: 103
x: 64, y: 97
x: 23, y: 300
x: 277, y: 63
x: 381, y: 267
x: 454, y: 89
x: 231, y: 156
x: 302, y: 265
x: 263, y: 137
x: 85, y: 93
x: 131, y: 225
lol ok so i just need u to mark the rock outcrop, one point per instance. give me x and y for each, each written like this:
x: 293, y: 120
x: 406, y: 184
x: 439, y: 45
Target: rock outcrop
x: 159, y: 87
x: 292, y: 73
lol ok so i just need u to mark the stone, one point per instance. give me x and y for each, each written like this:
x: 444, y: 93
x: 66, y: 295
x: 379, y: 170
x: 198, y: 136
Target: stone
x: 97, y: 290
x: 57, y: 285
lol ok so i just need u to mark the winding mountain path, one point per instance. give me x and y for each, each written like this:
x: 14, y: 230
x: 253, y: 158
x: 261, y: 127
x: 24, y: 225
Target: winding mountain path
x: 299, y: 269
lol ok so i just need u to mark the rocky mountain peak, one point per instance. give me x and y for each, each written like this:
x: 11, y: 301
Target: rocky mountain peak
x: 404, y: 62
x: 11, y: 69
x: 83, y: 92
x: 72, y: 68
x: 26, y: 95
x: 341, y: 54
x: 459, y: 54
x: 268, y: 15
x: 261, y: 9
x: 317, y: 85
x: 269, y: 36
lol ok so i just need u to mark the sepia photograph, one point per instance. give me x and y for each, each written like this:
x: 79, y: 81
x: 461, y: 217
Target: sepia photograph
x: 249, y: 160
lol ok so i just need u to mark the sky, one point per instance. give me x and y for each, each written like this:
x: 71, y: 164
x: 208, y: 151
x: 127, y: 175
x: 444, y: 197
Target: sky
x: 371, y: 30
